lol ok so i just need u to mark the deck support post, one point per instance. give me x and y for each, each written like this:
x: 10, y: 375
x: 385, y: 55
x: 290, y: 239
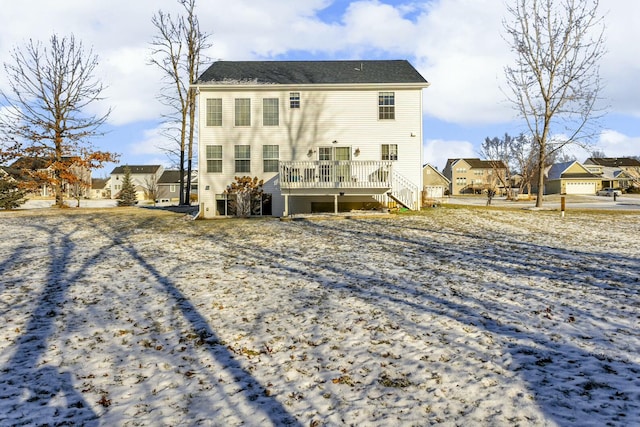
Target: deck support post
x: 286, y: 205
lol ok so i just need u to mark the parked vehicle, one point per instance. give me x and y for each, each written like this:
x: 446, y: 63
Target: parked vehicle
x: 609, y: 192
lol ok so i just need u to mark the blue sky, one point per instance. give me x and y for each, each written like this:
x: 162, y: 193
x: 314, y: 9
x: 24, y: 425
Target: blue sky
x: 457, y: 45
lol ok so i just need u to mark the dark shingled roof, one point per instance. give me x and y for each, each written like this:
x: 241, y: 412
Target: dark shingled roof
x: 312, y: 72
x: 614, y: 161
x: 169, y: 177
x: 146, y: 169
x: 480, y: 164
x: 98, y: 183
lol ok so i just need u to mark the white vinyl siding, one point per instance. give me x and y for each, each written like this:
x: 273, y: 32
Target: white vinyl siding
x: 348, y: 117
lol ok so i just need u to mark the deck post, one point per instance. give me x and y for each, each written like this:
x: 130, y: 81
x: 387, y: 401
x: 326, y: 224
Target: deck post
x: 335, y: 203
x: 286, y: 205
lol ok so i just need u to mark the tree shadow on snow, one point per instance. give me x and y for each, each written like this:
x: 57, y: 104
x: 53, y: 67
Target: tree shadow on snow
x: 254, y: 406
x: 570, y: 384
x: 36, y: 392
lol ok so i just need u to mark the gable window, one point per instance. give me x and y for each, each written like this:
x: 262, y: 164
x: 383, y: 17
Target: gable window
x: 270, y: 156
x: 386, y: 105
x: 173, y: 188
x: 389, y: 151
x: 270, y: 112
x: 294, y: 99
x: 243, y: 112
x: 242, y: 158
x: 214, y: 112
x: 214, y: 158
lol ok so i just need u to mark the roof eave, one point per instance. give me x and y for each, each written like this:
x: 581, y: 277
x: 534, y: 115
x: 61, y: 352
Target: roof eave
x: 214, y: 87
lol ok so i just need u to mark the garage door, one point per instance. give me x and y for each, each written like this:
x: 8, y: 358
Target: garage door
x: 581, y: 188
x: 433, y: 191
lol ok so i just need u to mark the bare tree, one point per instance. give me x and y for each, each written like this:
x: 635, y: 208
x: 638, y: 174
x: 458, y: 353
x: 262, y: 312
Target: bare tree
x: 151, y: 189
x: 497, y: 151
x: 176, y: 51
x: 45, y: 117
x: 524, y: 155
x: 555, y: 81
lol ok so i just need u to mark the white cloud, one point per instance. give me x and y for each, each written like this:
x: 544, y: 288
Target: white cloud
x: 457, y: 45
x: 616, y: 144
x: 154, y: 142
x: 438, y: 151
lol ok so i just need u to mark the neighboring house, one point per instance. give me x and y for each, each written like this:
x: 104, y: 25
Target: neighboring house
x: 435, y: 184
x: 475, y: 176
x: 143, y: 177
x: 571, y: 178
x: 100, y: 188
x: 39, y: 172
x: 323, y: 135
x: 169, y: 186
x: 616, y: 172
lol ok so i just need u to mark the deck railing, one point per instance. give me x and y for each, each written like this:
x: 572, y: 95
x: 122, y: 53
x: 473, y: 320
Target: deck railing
x: 336, y: 174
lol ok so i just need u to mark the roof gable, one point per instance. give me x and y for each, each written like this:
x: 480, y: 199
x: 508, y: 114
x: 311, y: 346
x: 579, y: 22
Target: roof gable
x: 479, y: 164
x: 571, y: 169
x: 435, y: 170
x: 311, y: 72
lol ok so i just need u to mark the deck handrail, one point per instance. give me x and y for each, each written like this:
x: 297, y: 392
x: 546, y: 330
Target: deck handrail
x: 336, y: 174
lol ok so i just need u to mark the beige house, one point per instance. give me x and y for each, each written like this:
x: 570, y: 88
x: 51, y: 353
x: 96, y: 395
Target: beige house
x: 434, y: 184
x: 616, y: 172
x: 144, y: 178
x: 100, y: 188
x: 475, y: 176
x: 571, y: 178
x: 39, y: 173
x: 322, y: 135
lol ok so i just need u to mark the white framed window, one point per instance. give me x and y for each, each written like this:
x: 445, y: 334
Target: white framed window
x: 173, y: 188
x: 214, y: 112
x: 243, y: 111
x: 386, y: 106
x: 270, y: 158
x: 389, y: 151
x: 270, y: 112
x: 242, y: 158
x: 214, y: 158
x: 294, y: 99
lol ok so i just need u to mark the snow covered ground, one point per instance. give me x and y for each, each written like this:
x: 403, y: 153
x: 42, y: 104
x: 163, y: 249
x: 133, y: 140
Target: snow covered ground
x: 459, y: 316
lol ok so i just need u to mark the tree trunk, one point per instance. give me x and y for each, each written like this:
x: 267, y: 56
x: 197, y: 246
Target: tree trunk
x: 541, y: 161
x: 192, y: 116
x: 182, y: 174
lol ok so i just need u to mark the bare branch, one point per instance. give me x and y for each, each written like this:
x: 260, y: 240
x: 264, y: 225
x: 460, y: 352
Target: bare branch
x: 50, y: 88
x: 554, y: 83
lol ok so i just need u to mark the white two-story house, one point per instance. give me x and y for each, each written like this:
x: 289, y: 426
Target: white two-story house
x: 323, y: 135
